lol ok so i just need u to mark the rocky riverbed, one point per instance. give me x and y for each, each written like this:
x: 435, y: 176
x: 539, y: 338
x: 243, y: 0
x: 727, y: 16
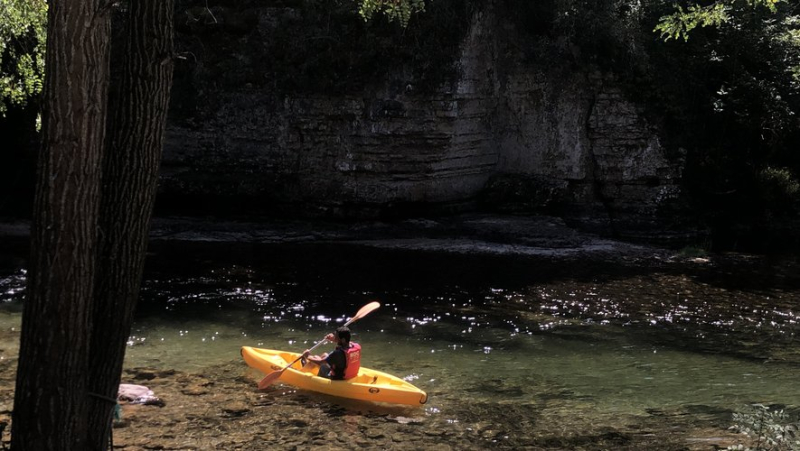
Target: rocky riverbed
x: 221, y: 409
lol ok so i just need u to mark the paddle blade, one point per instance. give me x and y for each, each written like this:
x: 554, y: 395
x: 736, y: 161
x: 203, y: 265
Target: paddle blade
x: 366, y: 310
x: 269, y: 379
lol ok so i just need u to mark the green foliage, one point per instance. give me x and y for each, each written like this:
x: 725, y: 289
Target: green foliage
x: 684, y: 20
x: 790, y: 37
x: 400, y: 10
x: 22, y: 43
x: 767, y: 430
x: 679, y: 24
x: 780, y: 190
x: 782, y: 179
x: 730, y: 95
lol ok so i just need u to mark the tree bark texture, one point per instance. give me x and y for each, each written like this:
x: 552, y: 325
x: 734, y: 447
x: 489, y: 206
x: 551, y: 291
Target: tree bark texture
x: 138, y: 113
x: 52, y: 398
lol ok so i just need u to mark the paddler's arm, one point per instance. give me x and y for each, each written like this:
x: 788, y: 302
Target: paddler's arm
x: 316, y: 358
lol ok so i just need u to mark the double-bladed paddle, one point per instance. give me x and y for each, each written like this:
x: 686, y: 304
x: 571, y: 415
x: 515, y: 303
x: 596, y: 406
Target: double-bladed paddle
x: 275, y: 375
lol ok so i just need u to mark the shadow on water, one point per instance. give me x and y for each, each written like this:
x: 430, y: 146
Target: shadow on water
x: 684, y: 305
x: 379, y: 269
x: 362, y: 266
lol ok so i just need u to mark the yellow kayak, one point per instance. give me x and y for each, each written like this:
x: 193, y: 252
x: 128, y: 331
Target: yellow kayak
x: 369, y: 385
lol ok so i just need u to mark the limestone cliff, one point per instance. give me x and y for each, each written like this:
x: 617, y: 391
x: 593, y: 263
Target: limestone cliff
x: 506, y: 133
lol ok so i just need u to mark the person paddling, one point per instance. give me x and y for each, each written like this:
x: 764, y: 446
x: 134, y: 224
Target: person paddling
x: 341, y: 364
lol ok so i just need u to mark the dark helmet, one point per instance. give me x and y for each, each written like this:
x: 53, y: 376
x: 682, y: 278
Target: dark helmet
x: 343, y: 333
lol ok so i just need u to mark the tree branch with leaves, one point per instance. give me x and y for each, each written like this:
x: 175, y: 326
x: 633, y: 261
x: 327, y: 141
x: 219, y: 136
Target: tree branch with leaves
x: 394, y: 10
x: 680, y: 23
x: 22, y: 43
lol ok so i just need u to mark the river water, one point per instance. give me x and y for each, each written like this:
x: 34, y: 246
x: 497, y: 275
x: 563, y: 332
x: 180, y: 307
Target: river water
x: 522, y: 352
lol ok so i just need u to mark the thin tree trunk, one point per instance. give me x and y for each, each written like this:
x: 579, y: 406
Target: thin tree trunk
x: 51, y: 396
x: 130, y: 177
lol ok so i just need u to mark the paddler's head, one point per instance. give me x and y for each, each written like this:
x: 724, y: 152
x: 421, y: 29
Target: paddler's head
x: 343, y: 336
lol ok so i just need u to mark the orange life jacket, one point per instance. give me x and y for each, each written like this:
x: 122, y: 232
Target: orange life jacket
x: 353, y: 359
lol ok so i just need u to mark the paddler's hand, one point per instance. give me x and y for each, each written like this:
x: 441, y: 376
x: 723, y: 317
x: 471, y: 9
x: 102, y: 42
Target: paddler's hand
x: 306, y: 353
x: 330, y: 337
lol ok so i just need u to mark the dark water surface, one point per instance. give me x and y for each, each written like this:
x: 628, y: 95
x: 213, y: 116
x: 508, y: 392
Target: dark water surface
x: 521, y: 352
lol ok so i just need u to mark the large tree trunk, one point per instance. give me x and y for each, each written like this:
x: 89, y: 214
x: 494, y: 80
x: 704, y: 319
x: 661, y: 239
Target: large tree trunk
x: 94, y: 199
x: 130, y: 176
x: 52, y: 398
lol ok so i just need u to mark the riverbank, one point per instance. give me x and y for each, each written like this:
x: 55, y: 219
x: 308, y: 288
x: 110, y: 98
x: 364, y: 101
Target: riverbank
x: 463, y: 234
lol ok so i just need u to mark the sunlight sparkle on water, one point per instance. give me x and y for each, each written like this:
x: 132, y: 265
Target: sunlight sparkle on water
x: 134, y: 340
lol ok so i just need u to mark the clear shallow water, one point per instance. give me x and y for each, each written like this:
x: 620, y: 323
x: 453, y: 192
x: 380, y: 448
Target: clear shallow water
x: 581, y: 342
x: 612, y: 374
